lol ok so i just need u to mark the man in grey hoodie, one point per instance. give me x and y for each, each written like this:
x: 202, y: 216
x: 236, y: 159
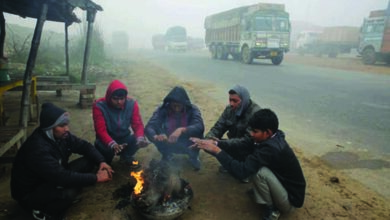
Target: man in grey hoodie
x: 234, y: 121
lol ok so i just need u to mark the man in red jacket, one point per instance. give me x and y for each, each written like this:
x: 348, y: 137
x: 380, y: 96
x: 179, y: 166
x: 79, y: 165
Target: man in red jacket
x: 113, y: 116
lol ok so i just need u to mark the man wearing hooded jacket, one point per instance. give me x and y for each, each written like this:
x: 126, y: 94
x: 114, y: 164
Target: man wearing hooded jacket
x: 42, y: 179
x: 173, y: 123
x: 113, y: 115
x: 234, y: 121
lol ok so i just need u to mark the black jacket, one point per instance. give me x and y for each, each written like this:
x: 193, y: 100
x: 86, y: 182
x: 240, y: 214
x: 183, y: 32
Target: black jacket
x: 276, y: 155
x: 41, y: 161
x: 158, y: 123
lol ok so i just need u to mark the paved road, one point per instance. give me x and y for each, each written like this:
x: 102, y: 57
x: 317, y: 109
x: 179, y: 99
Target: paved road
x: 323, y: 111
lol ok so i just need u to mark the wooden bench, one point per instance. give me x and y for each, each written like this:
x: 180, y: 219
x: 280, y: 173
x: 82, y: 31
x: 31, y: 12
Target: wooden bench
x: 11, y: 136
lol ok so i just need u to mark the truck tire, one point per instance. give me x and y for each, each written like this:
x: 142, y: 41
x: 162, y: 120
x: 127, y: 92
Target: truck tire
x: 369, y: 56
x: 246, y: 55
x: 213, y: 51
x: 277, y: 60
x: 221, y: 53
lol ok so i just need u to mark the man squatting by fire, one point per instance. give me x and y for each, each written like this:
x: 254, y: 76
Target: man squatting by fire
x: 112, y: 117
x: 277, y: 177
x: 43, y: 181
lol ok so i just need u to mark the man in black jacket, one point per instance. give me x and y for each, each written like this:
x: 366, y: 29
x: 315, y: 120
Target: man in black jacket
x: 173, y: 123
x: 277, y: 176
x: 43, y: 180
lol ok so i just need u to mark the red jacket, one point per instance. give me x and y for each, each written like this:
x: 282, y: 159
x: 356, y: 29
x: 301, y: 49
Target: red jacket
x: 112, y: 124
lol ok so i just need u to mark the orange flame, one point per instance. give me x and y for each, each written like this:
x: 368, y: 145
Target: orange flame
x: 135, y: 162
x: 140, y: 181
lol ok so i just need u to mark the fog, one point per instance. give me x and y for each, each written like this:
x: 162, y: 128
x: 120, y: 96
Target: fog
x: 142, y: 19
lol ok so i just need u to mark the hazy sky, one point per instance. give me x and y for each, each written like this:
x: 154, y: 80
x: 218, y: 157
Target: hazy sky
x: 142, y: 19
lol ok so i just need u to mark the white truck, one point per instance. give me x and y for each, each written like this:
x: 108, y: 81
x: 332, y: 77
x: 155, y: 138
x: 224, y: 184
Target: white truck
x: 260, y: 31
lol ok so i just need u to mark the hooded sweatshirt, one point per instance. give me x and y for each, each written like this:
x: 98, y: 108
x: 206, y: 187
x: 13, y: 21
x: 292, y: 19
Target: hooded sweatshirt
x: 235, y: 122
x: 164, y: 122
x: 113, y: 124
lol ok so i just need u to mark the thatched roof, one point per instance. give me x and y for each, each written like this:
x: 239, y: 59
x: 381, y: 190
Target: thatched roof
x: 58, y: 10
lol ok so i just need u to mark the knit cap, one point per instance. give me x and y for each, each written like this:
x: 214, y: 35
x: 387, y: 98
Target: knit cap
x: 52, y: 116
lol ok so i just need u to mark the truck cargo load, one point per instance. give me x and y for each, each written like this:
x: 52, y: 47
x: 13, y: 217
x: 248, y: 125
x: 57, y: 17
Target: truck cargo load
x: 330, y: 41
x: 259, y: 31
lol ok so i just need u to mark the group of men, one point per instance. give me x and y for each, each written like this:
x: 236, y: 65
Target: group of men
x: 46, y: 183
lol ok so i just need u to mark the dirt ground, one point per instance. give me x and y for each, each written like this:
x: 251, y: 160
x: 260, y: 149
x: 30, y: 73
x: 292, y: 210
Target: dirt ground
x: 216, y: 195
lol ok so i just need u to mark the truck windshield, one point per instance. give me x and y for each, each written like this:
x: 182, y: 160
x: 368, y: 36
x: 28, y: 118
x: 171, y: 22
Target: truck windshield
x: 377, y: 26
x: 269, y: 23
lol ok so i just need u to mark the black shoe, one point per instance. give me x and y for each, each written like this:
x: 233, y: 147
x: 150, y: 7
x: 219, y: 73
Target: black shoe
x: 271, y: 213
x: 222, y: 170
x: 245, y: 180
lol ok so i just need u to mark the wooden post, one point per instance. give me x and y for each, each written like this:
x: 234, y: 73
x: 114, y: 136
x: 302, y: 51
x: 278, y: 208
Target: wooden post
x: 90, y: 18
x: 2, y: 35
x: 25, y: 102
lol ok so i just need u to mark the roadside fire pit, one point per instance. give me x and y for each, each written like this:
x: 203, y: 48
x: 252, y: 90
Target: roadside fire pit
x: 159, y: 192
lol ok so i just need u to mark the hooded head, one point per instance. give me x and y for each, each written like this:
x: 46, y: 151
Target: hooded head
x: 179, y: 95
x: 52, y: 116
x: 243, y: 93
x: 115, y: 89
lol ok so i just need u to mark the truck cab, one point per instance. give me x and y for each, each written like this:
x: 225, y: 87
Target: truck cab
x: 374, y: 39
x: 176, y: 39
x: 266, y: 35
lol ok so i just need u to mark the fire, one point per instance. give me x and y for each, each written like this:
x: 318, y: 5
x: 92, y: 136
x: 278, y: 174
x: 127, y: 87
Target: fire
x: 135, y: 162
x: 140, y: 181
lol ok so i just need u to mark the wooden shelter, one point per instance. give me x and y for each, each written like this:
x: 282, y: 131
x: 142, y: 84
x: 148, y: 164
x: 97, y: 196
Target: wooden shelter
x: 46, y: 10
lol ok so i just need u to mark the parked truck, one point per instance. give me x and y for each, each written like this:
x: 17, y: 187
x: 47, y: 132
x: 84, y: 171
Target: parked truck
x: 374, y: 42
x: 330, y: 41
x: 176, y: 39
x: 260, y: 31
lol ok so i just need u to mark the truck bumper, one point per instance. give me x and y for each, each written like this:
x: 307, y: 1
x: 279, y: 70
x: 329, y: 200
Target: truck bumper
x: 267, y: 53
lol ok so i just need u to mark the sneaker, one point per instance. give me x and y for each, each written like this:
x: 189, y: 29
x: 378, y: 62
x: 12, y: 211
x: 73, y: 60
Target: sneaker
x: 195, y: 162
x: 43, y: 216
x: 271, y: 213
x: 40, y: 215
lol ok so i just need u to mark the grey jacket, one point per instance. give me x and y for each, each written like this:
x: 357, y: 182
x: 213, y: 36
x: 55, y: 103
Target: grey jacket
x: 235, y: 123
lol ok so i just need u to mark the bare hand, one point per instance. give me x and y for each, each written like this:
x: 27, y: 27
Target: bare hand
x: 142, y: 142
x: 175, y: 135
x: 105, y: 166
x: 119, y: 147
x: 103, y: 176
x: 207, y: 145
x: 160, y: 137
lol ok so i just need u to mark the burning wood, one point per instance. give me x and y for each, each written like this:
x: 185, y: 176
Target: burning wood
x: 159, y: 192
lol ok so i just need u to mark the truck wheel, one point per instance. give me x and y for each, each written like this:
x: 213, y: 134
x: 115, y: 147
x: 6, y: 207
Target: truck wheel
x: 213, y: 51
x: 277, y: 60
x: 369, y: 56
x: 246, y: 55
x: 221, y: 54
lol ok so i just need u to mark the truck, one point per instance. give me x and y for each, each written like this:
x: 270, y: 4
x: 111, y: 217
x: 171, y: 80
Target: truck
x: 374, y: 42
x: 259, y: 31
x: 306, y: 41
x: 176, y: 39
x: 330, y: 41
